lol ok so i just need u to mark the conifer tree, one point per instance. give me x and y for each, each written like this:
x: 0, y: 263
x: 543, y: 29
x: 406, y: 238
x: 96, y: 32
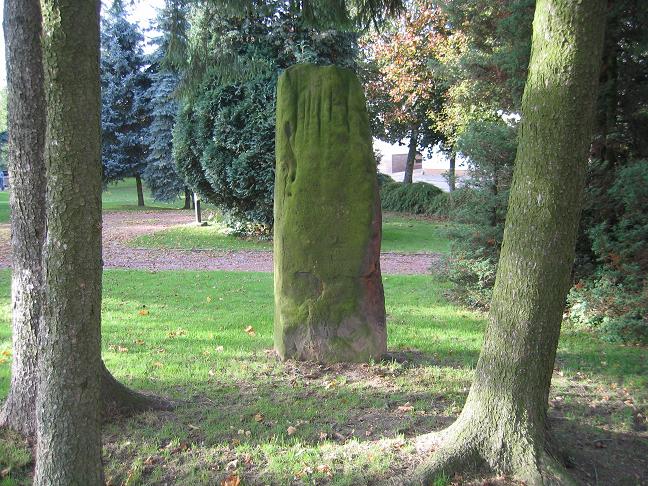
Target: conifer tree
x: 123, y: 87
x: 160, y: 174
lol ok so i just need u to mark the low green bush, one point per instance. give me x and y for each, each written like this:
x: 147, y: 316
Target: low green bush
x: 416, y: 198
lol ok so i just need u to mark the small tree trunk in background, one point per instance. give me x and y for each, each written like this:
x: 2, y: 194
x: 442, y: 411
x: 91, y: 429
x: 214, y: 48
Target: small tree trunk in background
x: 140, y: 190
x: 197, y: 206
x: 26, y: 125
x: 503, y: 424
x: 68, y: 448
x: 187, y: 199
x: 411, y: 156
x: 452, y: 179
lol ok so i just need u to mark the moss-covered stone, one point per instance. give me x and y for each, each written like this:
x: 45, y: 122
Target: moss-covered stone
x: 329, y: 300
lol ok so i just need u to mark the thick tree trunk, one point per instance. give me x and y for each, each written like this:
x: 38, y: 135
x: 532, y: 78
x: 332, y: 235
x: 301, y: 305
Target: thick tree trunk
x: 187, y: 199
x: 503, y: 424
x: 68, y: 448
x: 140, y: 190
x: 452, y: 178
x: 26, y: 122
x: 411, y: 156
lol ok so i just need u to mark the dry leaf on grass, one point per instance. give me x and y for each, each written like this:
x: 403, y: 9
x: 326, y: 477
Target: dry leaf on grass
x: 249, y: 330
x: 231, y: 480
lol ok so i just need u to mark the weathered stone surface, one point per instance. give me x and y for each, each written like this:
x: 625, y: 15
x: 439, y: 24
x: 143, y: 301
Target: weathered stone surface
x: 329, y: 300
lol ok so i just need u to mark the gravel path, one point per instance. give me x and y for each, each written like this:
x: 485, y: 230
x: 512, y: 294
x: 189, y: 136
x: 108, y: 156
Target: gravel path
x: 121, y: 226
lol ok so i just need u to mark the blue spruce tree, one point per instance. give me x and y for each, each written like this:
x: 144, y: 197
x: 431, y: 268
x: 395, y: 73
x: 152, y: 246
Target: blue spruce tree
x: 160, y: 174
x: 124, y: 114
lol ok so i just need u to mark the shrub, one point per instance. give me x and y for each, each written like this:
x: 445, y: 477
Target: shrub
x: 384, y: 179
x: 613, y: 300
x: 416, y: 198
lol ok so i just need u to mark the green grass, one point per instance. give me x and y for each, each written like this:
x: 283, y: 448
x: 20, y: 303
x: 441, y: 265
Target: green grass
x: 237, y: 402
x: 119, y: 196
x: 4, y: 206
x: 403, y: 234
x: 122, y: 195
x: 214, y: 236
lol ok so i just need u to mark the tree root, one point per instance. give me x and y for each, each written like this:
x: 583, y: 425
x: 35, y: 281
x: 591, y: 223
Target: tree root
x: 466, y: 450
x: 119, y: 400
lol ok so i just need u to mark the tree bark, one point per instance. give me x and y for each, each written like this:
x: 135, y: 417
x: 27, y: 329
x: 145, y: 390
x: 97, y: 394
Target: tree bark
x: 503, y: 424
x: 187, y: 199
x: 452, y: 179
x: 26, y: 126
x: 411, y: 156
x: 140, y: 190
x: 68, y: 420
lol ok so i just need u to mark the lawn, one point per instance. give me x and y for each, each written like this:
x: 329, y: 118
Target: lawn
x: 183, y: 335
x: 403, y: 234
x: 4, y: 206
x: 119, y: 196
x: 122, y: 195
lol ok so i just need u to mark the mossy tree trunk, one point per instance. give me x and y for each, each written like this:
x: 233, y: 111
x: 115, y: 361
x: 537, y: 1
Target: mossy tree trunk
x: 329, y: 301
x: 26, y: 122
x: 411, y: 156
x: 503, y: 424
x: 68, y: 447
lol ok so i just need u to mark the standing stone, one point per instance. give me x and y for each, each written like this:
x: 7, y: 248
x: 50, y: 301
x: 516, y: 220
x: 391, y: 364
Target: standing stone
x: 329, y: 300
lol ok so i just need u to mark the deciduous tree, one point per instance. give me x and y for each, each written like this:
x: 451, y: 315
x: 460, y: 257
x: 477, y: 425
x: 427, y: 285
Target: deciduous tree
x: 504, y: 422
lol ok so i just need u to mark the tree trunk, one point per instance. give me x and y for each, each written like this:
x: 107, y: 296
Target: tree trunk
x: 452, y: 178
x: 198, y: 214
x: 68, y: 448
x: 140, y: 190
x: 503, y: 424
x: 411, y: 156
x: 187, y: 199
x: 26, y: 125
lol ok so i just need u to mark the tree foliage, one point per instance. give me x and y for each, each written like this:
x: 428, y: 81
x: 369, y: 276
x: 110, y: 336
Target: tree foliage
x: 224, y: 139
x: 123, y: 88
x: 161, y: 174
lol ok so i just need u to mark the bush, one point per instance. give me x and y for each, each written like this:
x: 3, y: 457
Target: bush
x: 416, y: 198
x: 384, y: 179
x: 613, y: 300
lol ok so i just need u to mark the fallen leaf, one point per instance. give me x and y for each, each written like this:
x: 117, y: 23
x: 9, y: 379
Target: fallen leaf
x: 6, y: 353
x: 231, y: 480
x: 157, y: 364
x: 291, y: 430
x: 250, y: 331
x: 3, y: 360
x: 143, y: 312
x: 258, y: 417
x: 405, y: 408
x: 324, y: 469
x: 209, y: 299
x: 139, y: 342
x: 219, y: 349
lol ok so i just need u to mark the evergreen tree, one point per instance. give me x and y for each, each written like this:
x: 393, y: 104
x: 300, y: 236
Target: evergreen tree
x: 224, y: 142
x: 123, y: 88
x: 160, y: 173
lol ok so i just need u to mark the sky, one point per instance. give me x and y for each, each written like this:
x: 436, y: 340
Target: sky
x: 140, y: 11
